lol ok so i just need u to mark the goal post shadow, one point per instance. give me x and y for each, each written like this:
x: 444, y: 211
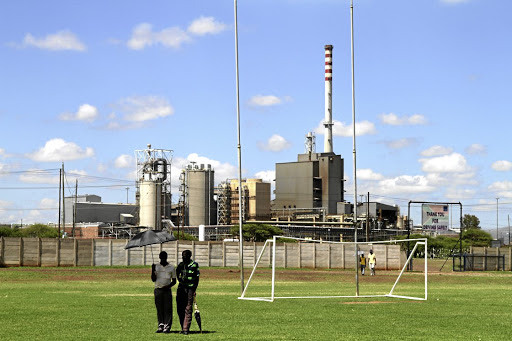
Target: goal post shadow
x: 273, y: 242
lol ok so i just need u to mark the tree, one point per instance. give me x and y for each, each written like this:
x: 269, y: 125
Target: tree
x: 39, y: 231
x: 256, y: 232
x: 470, y: 221
x: 477, y: 237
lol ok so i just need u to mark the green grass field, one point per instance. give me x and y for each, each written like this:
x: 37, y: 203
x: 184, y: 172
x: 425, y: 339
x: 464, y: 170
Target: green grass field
x: 117, y: 304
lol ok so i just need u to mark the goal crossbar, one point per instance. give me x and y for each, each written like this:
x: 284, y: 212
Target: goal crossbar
x: 273, y: 241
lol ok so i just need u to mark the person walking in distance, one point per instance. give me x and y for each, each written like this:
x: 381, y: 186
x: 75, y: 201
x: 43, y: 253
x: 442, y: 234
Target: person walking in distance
x: 164, y: 276
x: 362, y: 261
x: 372, y: 261
x: 188, y: 277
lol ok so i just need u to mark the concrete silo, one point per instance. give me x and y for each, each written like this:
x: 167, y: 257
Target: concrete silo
x: 153, y: 186
x: 200, y: 206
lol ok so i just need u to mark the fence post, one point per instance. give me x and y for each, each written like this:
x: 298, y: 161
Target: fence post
x: 314, y: 255
x: 485, y: 258
x: 208, y: 252
x: 223, y: 253
x: 110, y: 252
x: 343, y: 256
x: 92, y: 252
x: 57, y: 252
x: 497, y: 258
x: 177, y: 251
x: 75, y: 252
x: 144, y: 255
x: 510, y: 258
x: 285, y: 256
x: 386, y: 252
x: 298, y: 255
x: 39, y: 251
x: 127, y: 255
x: 329, y: 256
x: 21, y: 252
x: 2, y: 254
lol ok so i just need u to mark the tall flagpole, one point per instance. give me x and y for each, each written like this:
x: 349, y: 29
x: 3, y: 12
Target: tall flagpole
x: 240, y: 216
x: 354, y: 144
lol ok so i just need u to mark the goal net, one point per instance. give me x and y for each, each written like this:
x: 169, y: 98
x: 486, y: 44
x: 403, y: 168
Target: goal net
x: 288, y: 267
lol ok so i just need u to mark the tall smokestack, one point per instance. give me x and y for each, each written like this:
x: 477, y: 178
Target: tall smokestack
x: 328, y: 100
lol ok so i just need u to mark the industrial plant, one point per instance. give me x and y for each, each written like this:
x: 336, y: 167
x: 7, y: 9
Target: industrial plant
x: 309, y: 192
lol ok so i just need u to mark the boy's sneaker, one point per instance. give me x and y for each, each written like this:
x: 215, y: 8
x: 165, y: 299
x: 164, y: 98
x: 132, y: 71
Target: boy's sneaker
x: 160, y: 328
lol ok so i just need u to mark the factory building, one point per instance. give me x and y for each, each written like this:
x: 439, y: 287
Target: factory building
x: 315, y: 180
x: 89, y: 208
x: 255, y: 201
x: 198, y: 195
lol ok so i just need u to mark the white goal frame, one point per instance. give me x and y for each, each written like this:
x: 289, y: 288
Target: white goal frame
x: 419, y: 241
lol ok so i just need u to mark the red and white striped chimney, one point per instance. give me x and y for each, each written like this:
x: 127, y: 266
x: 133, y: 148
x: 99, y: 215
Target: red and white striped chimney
x: 328, y: 100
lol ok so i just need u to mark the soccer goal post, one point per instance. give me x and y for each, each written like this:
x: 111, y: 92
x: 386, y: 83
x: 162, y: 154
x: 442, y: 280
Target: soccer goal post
x: 393, y: 278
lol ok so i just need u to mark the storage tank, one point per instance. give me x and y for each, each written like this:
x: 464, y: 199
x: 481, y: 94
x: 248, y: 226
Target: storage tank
x: 150, y: 204
x: 200, y: 204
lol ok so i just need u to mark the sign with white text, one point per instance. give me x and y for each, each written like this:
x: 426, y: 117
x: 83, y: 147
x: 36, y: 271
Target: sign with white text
x: 435, y: 217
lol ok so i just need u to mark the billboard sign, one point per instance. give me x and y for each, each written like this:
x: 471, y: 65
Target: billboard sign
x: 435, y: 217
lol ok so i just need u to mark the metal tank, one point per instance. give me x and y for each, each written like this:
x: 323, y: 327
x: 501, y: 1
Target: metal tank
x: 199, y: 200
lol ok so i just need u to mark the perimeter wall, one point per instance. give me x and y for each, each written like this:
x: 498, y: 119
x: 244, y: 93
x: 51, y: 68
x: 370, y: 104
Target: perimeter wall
x: 111, y: 252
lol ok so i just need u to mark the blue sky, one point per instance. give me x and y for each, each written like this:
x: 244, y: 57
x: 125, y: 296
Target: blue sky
x: 87, y: 83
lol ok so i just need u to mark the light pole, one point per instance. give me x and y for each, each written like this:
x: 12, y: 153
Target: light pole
x: 127, y: 188
x: 354, y: 141
x: 239, y: 147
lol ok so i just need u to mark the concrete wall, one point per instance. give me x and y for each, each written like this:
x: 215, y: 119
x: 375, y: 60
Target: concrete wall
x: 111, y: 252
x: 493, y: 251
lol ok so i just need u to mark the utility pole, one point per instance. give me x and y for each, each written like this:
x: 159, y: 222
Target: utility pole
x: 127, y: 188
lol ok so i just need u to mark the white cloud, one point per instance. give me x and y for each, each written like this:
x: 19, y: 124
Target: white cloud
x: 3, y: 154
x: 264, y: 101
x: 144, y: 36
x: 340, y: 129
x: 476, y: 149
x: 502, y: 188
x: 124, y: 161
x: 400, y: 143
x: 405, y: 184
x: 86, y: 112
x: 275, y: 143
x: 393, y: 119
x: 206, y: 25
x: 436, y: 151
x: 452, y: 163
x: 47, y: 203
x: 59, y: 150
x: 223, y: 170
x: 62, y: 40
x: 267, y: 176
x: 39, y: 176
x: 502, y: 166
x: 368, y: 174
x: 459, y: 194
x: 145, y: 108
